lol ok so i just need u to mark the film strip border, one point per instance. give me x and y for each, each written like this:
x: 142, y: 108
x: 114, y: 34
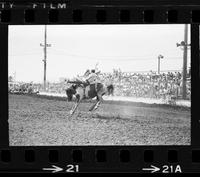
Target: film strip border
x: 54, y: 14
x: 98, y: 159
x: 101, y: 159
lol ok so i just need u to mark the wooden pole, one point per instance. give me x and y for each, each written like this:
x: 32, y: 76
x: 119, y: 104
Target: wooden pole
x: 45, y: 56
x: 184, y: 71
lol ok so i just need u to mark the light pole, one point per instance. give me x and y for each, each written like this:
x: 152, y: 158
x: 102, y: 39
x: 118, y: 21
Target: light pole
x: 159, y: 57
x: 184, y: 45
x: 45, y: 45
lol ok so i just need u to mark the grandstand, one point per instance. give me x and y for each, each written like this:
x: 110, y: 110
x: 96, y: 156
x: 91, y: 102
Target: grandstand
x: 135, y: 84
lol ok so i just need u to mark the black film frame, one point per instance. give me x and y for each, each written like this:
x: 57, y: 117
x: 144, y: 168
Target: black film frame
x: 14, y: 159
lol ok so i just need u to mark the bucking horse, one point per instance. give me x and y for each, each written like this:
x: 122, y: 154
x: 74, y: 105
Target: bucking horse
x: 82, y: 91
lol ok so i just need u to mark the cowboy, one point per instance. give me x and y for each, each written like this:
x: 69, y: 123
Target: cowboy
x: 91, y: 78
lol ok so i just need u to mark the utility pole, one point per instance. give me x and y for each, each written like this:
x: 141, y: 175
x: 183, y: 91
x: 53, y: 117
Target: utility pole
x: 45, y: 45
x: 185, y: 61
x: 159, y: 57
x: 185, y: 45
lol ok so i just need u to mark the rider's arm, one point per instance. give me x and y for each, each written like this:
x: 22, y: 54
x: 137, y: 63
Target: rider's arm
x: 88, y: 77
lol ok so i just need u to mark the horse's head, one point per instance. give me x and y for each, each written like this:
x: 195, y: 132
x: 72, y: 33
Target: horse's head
x: 71, y: 91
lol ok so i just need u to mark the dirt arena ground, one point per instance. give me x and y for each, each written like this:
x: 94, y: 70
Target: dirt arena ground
x: 41, y: 120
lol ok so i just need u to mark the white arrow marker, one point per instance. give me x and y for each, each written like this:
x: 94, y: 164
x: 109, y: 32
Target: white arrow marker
x: 153, y: 169
x: 54, y: 169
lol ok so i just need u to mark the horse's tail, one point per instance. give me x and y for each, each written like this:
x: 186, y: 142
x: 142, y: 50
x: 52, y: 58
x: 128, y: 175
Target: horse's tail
x: 111, y: 86
x: 110, y: 89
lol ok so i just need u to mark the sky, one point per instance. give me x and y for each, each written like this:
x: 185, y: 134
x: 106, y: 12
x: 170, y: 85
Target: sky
x: 76, y: 48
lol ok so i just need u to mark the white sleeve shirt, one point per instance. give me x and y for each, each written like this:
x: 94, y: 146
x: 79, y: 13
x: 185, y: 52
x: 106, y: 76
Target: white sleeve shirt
x: 92, y: 78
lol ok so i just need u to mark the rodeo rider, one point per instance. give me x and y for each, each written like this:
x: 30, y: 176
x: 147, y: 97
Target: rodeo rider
x: 91, y: 78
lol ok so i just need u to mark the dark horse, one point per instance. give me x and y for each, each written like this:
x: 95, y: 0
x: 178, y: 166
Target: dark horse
x: 72, y: 91
x: 87, y: 92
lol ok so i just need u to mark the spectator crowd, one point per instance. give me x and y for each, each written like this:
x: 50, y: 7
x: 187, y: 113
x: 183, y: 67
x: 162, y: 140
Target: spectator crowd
x: 145, y: 85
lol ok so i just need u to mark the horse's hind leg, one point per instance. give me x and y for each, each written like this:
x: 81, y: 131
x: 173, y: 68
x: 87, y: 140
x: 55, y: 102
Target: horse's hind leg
x: 95, y: 106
